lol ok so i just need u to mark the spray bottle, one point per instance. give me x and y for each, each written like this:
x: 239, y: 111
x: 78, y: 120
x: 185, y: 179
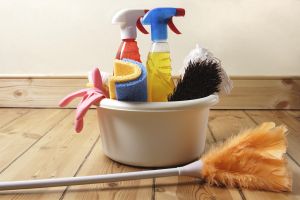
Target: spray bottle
x: 129, y: 19
x: 159, y: 79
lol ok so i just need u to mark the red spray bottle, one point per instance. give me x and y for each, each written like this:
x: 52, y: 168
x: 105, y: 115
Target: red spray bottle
x: 129, y: 20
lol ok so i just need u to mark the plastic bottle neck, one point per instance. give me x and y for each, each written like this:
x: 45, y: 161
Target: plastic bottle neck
x: 160, y: 41
x: 160, y: 46
x: 128, y: 40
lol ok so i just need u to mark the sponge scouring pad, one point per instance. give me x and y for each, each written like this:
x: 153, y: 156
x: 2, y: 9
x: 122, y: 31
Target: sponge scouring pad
x: 123, y: 72
x: 133, y: 90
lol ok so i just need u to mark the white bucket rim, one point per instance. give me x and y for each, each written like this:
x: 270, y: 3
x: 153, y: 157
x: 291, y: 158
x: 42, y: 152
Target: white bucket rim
x: 205, y: 102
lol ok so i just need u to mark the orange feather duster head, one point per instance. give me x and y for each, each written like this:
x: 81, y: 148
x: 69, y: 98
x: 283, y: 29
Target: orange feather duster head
x: 253, y: 159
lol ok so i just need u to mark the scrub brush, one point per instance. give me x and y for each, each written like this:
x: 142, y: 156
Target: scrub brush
x: 201, y: 79
x: 202, y: 75
x: 201, y: 54
x: 254, y: 159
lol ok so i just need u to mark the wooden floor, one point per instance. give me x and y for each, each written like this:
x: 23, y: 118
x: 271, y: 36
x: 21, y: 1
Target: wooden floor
x: 40, y: 143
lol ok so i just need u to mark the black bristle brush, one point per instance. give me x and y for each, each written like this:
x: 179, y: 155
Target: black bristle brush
x: 201, y: 79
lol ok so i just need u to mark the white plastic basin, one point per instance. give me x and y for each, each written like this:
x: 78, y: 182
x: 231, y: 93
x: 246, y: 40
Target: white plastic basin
x: 156, y: 134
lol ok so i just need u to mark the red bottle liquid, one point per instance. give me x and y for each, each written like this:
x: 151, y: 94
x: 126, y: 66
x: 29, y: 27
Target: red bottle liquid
x: 128, y: 49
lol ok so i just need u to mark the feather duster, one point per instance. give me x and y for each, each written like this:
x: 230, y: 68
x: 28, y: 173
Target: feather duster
x: 254, y: 159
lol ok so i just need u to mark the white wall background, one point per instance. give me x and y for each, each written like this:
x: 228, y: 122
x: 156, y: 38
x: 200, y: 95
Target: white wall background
x: 251, y: 37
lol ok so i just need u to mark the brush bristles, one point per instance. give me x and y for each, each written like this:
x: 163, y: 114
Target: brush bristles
x: 201, y: 79
x: 253, y: 160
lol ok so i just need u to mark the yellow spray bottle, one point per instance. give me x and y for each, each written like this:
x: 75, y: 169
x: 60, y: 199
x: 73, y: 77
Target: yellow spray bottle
x: 159, y: 79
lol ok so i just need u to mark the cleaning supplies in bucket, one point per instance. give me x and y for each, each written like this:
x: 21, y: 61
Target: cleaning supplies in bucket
x: 165, y: 119
x: 129, y: 82
x: 129, y: 19
x: 160, y: 83
x: 253, y: 159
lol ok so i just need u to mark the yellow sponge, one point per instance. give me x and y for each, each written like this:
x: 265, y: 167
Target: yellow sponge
x: 123, y: 72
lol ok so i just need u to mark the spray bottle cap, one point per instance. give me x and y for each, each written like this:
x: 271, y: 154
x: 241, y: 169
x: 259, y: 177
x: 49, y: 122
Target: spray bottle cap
x: 159, y: 18
x: 129, y: 19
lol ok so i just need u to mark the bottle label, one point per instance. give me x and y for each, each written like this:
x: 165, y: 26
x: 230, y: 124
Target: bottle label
x: 129, y: 50
x: 159, y: 78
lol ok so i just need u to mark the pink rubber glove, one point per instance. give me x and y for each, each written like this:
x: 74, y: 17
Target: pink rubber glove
x: 90, y: 96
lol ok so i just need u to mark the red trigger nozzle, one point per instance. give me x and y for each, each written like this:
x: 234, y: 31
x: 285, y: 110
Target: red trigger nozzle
x: 140, y: 26
x: 173, y: 27
x: 180, y: 12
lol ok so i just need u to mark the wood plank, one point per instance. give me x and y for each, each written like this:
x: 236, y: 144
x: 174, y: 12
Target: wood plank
x: 38, y: 92
x: 19, y: 135
x: 281, y: 117
x: 263, y: 94
x: 191, y: 188
x: 248, y: 93
x: 294, y: 113
x: 8, y: 115
x: 230, y: 122
x: 98, y: 163
x: 60, y: 153
x: 296, y: 179
x: 224, y: 124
